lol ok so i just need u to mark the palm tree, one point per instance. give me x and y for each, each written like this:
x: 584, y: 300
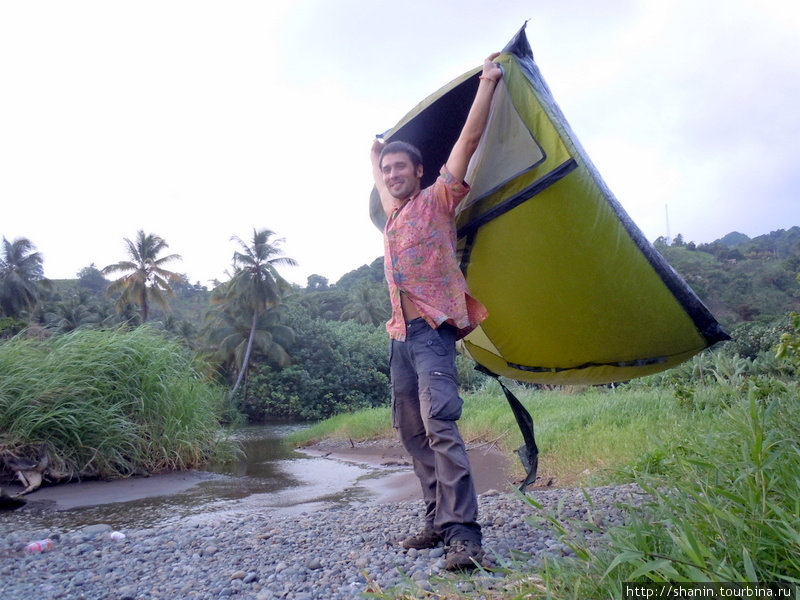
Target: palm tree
x: 145, y: 280
x: 365, y: 307
x: 328, y: 304
x: 256, y: 286
x: 230, y: 334
x: 20, y: 269
x: 73, y: 313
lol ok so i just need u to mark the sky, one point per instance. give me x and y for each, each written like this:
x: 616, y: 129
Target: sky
x: 198, y: 121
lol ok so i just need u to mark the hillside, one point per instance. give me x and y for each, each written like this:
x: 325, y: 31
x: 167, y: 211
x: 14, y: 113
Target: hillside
x: 739, y: 278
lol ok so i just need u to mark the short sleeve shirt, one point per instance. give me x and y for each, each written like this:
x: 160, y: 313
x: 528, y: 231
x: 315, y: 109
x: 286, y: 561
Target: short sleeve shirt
x: 420, y: 260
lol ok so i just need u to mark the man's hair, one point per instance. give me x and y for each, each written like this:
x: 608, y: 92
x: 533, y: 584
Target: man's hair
x: 414, y: 155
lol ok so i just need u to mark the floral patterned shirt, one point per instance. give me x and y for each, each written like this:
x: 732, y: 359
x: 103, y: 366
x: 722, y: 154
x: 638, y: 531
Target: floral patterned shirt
x: 420, y: 260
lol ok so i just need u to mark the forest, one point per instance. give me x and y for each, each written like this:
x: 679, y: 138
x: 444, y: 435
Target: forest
x: 305, y: 353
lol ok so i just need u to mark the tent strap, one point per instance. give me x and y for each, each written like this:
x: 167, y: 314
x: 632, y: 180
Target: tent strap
x: 528, y: 452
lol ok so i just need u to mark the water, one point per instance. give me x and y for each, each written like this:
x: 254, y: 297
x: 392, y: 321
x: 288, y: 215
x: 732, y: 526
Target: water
x: 270, y: 475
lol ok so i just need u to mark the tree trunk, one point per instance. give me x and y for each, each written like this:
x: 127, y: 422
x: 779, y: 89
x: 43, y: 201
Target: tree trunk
x: 145, y: 308
x: 246, y: 359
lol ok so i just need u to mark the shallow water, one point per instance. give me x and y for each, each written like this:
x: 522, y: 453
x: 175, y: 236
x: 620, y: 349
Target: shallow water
x: 270, y: 476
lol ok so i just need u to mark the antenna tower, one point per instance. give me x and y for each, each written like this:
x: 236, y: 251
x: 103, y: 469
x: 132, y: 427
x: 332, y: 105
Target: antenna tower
x: 666, y: 214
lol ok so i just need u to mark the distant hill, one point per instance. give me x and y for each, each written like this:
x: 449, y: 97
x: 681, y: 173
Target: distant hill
x: 742, y: 279
x: 734, y: 239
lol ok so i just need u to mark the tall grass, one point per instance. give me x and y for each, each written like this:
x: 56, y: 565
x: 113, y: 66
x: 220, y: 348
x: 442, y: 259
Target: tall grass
x: 108, y: 403
x: 366, y: 424
x: 584, y: 436
x: 726, y: 510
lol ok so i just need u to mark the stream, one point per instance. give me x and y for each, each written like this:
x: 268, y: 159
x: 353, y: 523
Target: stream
x: 270, y: 476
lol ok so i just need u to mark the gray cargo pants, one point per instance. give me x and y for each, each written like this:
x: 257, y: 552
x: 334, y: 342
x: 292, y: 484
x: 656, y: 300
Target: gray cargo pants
x: 425, y: 407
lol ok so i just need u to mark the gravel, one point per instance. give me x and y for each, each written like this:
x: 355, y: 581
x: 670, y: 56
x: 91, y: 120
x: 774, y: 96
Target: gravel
x: 332, y: 553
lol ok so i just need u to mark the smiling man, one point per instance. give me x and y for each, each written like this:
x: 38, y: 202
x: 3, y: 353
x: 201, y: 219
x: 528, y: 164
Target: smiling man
x: 431, y: 309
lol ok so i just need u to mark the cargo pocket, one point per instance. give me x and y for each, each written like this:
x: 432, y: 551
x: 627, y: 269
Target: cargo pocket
x: 445, y: 402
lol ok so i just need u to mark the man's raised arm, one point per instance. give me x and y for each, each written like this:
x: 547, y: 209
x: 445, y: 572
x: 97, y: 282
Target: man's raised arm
x: 473, y: 128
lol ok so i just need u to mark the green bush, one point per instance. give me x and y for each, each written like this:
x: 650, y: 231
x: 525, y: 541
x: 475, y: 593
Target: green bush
x: 750, y: 339
x: 10, y: 326
x: 336, y: 367
x: 108, y: 403
x: 789, y: 345
x: 469, y: 379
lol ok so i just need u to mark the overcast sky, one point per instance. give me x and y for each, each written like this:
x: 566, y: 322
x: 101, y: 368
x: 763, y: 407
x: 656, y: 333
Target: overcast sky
x: 198, y: 120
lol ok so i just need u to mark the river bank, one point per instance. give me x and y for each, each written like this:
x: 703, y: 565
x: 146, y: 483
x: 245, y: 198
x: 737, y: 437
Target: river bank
x: 318, y: 549
x: 328, y: 472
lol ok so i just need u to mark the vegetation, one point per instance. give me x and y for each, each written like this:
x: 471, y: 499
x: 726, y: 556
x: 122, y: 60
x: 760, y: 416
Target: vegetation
x: 108, y: 403
x: 789, y: 345
x: 359, y: 295
x: 230, y: 336
x: 336, y: 367
x: 145, y: 280
x: 288, y: 352
x: 741, y: 279
x: 254, y: 294
x: 20, y: 271
x: 293, y: 376
x: 319, y: 350
x: 722, y: 509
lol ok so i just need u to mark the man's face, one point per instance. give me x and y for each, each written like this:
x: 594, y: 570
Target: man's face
x: 400, y: 176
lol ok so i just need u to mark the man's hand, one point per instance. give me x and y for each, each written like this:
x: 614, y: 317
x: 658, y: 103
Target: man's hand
x: 491, y: 70
x: 375, y: 153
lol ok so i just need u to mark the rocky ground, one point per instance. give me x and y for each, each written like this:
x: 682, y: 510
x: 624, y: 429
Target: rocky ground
x: 331, y: 553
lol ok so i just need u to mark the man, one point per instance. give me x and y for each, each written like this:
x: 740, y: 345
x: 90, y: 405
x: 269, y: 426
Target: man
x: 431, y: 309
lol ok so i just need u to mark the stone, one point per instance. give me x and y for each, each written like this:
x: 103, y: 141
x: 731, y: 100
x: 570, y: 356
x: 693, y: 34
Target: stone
x: 95, y: 530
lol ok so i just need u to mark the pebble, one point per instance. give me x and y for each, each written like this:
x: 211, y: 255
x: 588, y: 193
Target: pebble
x: 333, y: 553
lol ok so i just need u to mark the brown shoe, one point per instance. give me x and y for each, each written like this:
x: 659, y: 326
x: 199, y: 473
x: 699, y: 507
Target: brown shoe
x: 463, y: 555
x: 427, y: 538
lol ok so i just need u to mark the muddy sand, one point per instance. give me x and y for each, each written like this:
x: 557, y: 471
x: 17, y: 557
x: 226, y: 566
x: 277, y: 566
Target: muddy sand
x: 392, y: 478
